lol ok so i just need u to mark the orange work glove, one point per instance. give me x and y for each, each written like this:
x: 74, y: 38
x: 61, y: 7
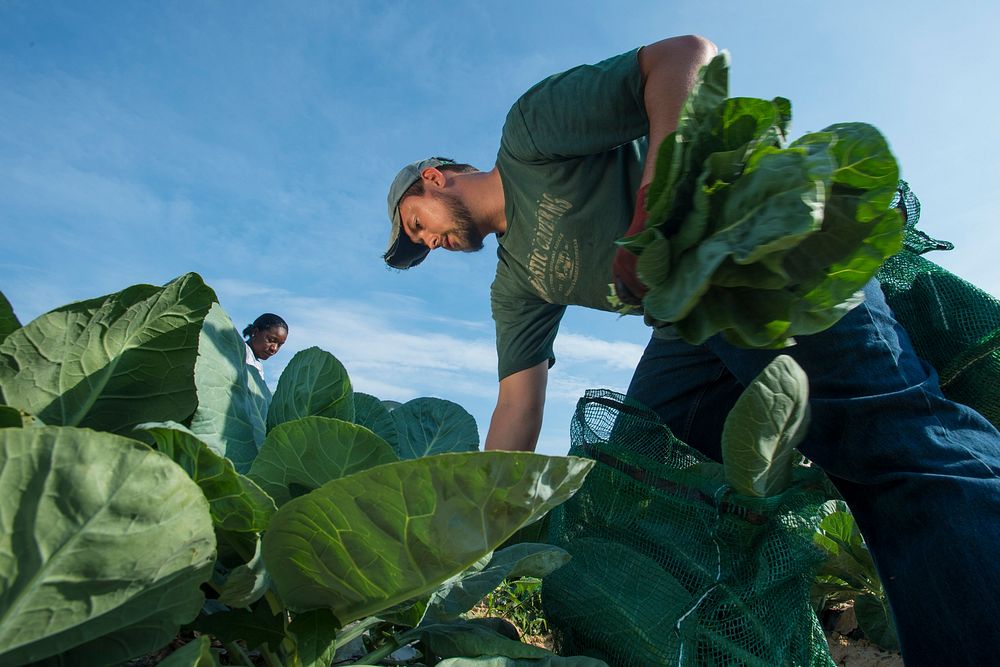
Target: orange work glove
x: 628, y: 287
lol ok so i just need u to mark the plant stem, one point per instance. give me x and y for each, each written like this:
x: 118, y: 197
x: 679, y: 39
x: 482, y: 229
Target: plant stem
x: 239, y: 654
x: 269, y: 657
x: 394, y: 644
x: 356, y: 630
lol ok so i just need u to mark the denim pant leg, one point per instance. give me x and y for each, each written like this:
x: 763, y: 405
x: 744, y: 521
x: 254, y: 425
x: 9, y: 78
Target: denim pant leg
x: 690, y: 389
x: 919, y: 472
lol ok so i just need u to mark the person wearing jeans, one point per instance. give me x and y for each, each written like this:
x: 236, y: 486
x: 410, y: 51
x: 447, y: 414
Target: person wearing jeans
x: 918, y: 471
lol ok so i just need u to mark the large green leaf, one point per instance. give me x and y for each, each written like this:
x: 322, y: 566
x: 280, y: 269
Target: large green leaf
x: 314, y: 383
x: 457, y: 639
x: 104, y: 544
x: 830, y: 266
x: 246, y: 583
x: 762, y: 430
x: 460, y: 594
x: 375, y: 415
x: 313, y: 635
x: 237, y: 503
x: 8, y: 320
x: 111, y: 362
x: 302, y: 455
x: 232, y: 398
x: 864, y: 161
x: 875, y: 620
x: 848, y: 558
x: 770, y: 209
x: 374, y: 539
x: 849, y: 573
x: 256, y: 626
x: 747, y: 317
x: 434, y: 426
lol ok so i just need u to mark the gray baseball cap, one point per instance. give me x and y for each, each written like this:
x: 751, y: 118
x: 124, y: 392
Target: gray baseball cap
x: 402, y: 253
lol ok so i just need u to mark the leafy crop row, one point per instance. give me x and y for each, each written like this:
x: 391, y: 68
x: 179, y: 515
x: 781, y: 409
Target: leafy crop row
x: 143, y: 463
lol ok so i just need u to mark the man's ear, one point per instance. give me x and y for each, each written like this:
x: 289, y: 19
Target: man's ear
x: 433, y: 175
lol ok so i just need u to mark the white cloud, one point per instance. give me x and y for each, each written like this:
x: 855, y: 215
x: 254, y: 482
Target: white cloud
x: 581, y: 348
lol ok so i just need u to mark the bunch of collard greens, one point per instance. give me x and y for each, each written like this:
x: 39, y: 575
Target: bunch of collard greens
x: 756, y: 239
x: 143, y: 464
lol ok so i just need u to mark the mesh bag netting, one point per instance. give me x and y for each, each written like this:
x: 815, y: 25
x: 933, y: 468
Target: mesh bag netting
x: 954, y: 325
x: 669, y: 566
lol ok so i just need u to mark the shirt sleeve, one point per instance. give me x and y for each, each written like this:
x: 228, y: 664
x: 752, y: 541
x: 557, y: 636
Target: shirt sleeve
x: 584, y: 110
x: 526, y: 332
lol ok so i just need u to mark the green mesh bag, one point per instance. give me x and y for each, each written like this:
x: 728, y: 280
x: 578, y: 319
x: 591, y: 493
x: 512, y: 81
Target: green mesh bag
x: 669, y: 566
x: 954, y: 325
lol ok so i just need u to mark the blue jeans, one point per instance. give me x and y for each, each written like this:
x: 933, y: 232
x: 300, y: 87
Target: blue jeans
x: 919, y: 472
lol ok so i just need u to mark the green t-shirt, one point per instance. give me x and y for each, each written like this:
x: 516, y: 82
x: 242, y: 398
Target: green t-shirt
x: 570, y: 160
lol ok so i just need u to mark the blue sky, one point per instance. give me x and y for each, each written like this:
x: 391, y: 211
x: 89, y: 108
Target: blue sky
x: 253, y: 143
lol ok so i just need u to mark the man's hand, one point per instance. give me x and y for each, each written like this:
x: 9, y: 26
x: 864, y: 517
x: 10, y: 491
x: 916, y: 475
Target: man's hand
x: 628, y: 287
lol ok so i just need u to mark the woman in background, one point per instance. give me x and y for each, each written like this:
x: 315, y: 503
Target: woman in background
x: 264, y: 338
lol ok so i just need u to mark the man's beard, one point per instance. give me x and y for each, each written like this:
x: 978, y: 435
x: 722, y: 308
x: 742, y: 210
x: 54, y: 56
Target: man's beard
x: 466, y: 235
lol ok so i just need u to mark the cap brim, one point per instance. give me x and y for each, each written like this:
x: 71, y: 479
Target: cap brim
x: 402, y: 252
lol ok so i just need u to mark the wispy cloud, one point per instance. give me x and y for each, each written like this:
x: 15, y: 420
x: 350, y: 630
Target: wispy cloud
x: 398, y: 347
x: 622, y: 355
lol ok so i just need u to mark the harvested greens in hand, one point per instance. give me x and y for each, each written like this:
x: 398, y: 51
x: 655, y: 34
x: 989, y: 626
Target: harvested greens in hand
x: 756, y: 239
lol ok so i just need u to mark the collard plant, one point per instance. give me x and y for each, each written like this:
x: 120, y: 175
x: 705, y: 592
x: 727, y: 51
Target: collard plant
x: 754, y: 237
x: 849, y: 574
x: 150, y: 481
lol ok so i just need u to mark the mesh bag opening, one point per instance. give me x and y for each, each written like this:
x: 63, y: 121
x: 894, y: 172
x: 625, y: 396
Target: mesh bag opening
x: 671, y: 567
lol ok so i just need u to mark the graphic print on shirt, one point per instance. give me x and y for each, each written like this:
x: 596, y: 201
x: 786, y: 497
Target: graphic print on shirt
x: 554, y: 262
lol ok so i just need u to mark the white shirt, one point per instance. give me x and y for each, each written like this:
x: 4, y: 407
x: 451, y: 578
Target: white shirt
x: 254, y: 361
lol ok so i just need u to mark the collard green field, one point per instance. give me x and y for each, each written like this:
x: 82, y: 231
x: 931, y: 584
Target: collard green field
x: 156, y: 497
x: 151, y: 482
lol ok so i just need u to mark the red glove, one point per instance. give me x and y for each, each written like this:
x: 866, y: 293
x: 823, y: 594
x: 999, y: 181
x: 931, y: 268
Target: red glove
x: 629, y: 288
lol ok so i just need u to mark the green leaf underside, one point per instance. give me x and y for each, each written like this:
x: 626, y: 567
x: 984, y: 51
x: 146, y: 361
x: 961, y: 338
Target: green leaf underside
x: 257, y: 626
x: 762, y: 430
x: 104, y: 544
x: 111, y: 362
x: 232, y: 396
x: 238, y: 504
x: 377, y: 538
x: 463, y: 592
x: 450, y: 640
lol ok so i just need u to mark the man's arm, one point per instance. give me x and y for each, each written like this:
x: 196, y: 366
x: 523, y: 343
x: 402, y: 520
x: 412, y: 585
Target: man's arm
x: 517, y: 418
x: 669, y: 70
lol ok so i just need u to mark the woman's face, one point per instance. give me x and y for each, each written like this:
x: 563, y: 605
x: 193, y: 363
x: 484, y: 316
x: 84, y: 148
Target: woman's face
x: 265, y: 343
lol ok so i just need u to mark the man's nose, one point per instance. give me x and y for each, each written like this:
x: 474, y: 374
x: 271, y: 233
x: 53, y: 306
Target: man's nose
x: 432, y: 241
